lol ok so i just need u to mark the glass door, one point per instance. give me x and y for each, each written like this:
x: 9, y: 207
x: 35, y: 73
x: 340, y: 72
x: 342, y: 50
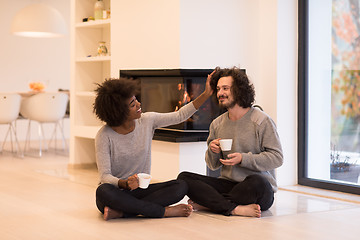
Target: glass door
x: 329, y: 94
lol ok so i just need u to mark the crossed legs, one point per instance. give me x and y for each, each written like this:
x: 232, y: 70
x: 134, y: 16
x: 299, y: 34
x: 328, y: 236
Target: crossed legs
x: 246, y: 198
x: 151, y: 202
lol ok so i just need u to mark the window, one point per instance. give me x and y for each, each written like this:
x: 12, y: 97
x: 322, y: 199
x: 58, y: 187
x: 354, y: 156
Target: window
x: 329, y: 94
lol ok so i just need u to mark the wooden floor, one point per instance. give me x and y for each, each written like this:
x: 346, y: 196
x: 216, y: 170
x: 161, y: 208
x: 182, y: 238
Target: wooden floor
x: 41, y: 199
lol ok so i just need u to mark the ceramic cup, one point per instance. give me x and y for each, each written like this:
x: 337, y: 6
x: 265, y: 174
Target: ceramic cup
x: 144, y: 180
x: 225, y: 144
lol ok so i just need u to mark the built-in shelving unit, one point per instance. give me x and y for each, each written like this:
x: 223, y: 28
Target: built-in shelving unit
x: 87, y: 69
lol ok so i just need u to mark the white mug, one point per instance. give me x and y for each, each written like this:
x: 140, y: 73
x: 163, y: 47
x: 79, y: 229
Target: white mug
x: 225, y: 144
x: 144, y: 180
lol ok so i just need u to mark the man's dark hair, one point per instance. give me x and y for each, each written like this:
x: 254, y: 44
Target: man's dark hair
x: 242, y: 89
x: 111, y: 105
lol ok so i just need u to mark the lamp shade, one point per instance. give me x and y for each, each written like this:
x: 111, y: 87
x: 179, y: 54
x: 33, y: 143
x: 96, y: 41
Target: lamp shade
x: 38, y: 20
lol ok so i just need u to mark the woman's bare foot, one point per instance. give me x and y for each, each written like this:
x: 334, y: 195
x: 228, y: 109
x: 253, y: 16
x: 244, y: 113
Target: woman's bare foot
x: 197, y: 207
x: 180, y: 210
x: 111, y: 214
x: 251, y: 210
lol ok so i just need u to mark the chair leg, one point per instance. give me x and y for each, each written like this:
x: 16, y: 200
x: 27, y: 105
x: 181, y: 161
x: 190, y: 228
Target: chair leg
x: 11, y: 138
x: 17, y: 145
x: 27, y: 139
x: 27, y: 147
x: 6, y: 135
x: 12, y: 133
x: 54, y: 136
x: 20, y: 152
x: 64, y: 144
x: 41, y: 139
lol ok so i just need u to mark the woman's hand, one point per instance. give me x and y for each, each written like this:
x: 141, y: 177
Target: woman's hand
x: 233, y: 159
x: 133, y: 182
x: 205, y: 94
x: 208, y: 90
x: 215, y: 145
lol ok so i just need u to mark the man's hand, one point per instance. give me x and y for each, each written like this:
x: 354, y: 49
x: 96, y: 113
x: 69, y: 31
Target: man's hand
x: 233, y: 159
x: 215, y: 145
x: 133, y: 182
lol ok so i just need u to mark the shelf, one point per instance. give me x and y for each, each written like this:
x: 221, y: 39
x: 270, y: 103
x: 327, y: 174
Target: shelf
x: 94, y: 59
x: 86, y: 131
x: 86, y: 73
x: 94, y: 24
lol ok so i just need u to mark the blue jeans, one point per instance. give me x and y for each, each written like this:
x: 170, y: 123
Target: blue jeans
x: 222, y: 195
x: 150, y: 202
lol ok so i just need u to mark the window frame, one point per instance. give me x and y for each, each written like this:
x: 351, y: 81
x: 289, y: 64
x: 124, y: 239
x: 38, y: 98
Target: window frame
x: 303, y: 29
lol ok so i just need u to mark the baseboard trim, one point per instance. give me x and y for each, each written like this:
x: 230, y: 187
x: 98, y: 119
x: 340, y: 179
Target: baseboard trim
x: 82, y: 166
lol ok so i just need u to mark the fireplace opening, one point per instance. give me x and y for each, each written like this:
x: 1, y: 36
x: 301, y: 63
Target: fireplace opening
x: 167, y: 90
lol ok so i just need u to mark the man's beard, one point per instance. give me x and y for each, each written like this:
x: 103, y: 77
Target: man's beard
x: 227, y: 105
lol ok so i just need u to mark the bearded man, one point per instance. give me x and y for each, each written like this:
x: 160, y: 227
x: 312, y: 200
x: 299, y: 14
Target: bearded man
x: 247, y: 180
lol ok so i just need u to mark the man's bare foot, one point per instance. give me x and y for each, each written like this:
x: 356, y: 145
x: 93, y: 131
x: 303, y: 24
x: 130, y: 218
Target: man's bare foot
x: 251, y: 210
x: 111, y: 214
x: 180, y: 210
x: 197, y: 207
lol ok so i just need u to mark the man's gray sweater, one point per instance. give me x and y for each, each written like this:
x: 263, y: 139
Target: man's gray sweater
x: 255, y: 137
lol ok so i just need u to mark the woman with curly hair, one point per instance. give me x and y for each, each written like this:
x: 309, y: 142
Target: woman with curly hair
x: 247, y: 182
x: 123, y: 149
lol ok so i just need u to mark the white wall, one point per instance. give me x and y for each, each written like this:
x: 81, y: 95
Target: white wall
x: 30, y: 59
x: 218, y: 33
x: 144, y: 34
x: 320, y: 70
x: 286, y: 74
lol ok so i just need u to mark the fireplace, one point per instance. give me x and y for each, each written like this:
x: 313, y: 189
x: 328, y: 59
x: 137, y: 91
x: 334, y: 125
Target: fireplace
x: 167, y: 90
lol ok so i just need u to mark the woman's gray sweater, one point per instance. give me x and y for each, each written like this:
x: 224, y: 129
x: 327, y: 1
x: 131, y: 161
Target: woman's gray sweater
x: 120, y: 156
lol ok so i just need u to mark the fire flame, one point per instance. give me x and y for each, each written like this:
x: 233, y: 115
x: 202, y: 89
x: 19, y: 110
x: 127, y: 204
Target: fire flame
x: 184, y: 98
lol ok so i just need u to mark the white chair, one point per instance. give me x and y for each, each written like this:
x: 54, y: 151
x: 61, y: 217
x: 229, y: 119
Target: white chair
x: 9, y: 112
x: 45, y: 108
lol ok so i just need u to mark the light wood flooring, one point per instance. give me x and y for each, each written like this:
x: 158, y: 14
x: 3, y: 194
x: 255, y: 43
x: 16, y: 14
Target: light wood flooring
x: 40, y: 198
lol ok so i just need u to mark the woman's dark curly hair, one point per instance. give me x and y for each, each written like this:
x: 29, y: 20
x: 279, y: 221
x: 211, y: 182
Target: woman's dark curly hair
x: 111, y: 104
x: 242, y: 89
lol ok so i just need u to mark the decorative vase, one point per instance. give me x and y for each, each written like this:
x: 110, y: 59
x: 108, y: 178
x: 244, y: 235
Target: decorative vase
x: 98, y: 9
x: 102, y: 49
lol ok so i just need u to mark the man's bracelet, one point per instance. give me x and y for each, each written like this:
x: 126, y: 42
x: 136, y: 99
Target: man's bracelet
x: 127, y: 184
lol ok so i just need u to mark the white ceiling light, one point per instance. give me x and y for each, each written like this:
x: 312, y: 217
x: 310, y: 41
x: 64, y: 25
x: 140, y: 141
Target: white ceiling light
x: 38, y: 20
